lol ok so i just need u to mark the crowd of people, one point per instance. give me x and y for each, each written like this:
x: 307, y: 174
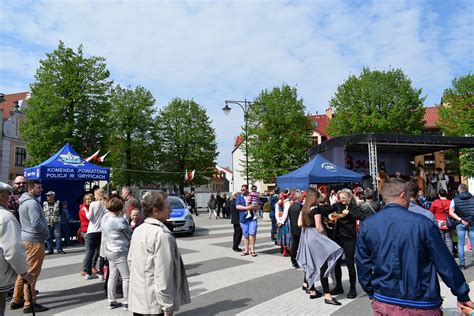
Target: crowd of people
x: 394, y: 243
x: 320, y: 232
x: 125, y: 241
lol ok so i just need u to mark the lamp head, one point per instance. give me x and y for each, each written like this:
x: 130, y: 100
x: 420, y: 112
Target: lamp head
x: 226, y: 109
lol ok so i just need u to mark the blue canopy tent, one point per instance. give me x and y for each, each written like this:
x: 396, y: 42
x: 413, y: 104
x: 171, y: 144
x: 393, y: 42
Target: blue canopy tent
x: 317, y: 171
x: 65, y: 173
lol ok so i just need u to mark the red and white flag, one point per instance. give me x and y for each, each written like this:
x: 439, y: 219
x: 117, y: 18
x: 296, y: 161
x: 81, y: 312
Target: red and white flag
x: 189, y: 176
x: 102, y: 158
x: 93, y: 157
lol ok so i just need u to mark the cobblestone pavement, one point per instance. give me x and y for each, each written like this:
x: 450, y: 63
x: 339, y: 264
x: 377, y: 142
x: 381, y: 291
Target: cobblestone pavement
x: 221, y: 281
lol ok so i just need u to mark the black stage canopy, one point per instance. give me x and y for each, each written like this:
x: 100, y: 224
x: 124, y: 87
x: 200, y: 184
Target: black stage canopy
x: 395, y: 143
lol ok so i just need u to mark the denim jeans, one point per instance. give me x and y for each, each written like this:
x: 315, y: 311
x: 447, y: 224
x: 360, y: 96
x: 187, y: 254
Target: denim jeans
x: 54, y: 232
x: 274, y: 230
x: 461, y: 232
x: 92, y: 245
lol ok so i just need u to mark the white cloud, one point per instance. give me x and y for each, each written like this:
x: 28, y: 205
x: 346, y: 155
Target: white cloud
x: 216, y: 50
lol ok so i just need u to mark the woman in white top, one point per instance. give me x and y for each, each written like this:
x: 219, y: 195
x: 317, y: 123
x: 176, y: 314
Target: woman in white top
x: 94, y: 215
x: 117, y: 234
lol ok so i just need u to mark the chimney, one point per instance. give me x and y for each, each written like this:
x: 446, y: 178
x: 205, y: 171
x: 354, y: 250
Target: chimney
x: 329, y: 113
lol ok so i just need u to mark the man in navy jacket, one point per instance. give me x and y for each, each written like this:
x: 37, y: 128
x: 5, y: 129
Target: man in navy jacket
x: 398, y: 256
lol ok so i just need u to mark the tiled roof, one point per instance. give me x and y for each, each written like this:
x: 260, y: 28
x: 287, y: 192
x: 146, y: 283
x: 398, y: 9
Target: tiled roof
x: 321, y: 124
x: 224, y: 169
x: 431, y: 117
x: 238, y: 140
x: 9, y: 104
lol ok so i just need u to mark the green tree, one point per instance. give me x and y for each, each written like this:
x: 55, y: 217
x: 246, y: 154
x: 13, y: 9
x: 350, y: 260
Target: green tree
x: 185, y: 141
x: 377, y: 102
x: 133, y: 131
x: 279, y: 133
x: 457, y: 116
x: 69, y: 103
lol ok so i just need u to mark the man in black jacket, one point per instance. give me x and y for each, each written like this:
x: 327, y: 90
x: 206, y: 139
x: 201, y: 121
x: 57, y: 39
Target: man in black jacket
x: 235, y: 220
x: 462, y: 209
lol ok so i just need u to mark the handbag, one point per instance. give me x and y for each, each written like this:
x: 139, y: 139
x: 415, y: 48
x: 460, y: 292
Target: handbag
x: 451, y: 222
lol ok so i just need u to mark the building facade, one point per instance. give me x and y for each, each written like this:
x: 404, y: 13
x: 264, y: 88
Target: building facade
x: 13, y: 150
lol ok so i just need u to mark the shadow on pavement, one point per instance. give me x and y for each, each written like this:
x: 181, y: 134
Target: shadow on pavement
x: 75, y: 297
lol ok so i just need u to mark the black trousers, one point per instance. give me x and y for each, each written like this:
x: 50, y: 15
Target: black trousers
x: 294, y: 248
x: 193, y: 207
x: 324, y: 281
x: 237, y: 236
x: 348, y: 245
x: 92, y: 245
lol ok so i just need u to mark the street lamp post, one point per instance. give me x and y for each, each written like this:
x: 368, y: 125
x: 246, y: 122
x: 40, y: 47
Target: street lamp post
x: 245, y: 105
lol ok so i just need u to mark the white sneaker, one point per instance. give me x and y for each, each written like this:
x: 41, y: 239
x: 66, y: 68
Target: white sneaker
x: 125, y: 306
x: 90, y: 276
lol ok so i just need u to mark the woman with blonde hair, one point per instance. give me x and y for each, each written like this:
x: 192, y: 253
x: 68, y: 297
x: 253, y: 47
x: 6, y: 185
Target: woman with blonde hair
x: 317, y: 254
x: 94, y: 214
x: 158, y: 282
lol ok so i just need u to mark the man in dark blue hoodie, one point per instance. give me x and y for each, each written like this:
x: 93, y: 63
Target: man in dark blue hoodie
x: 399, y: 254
x: 462, y: 209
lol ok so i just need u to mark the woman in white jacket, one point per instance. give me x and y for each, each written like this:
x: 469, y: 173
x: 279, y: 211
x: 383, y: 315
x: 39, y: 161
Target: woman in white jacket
x: 158, y: 282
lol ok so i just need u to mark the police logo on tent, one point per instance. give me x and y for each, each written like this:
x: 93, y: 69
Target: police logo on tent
x: 70, y: 159
x: 329, y: 167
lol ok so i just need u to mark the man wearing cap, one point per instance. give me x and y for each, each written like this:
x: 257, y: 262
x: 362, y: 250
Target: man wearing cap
x: 52, y: 211
x: 19, y: 187
x: 12, y: 253
x: 34, y: 232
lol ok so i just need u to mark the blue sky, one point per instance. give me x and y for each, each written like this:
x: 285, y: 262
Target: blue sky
x: 216, y: 50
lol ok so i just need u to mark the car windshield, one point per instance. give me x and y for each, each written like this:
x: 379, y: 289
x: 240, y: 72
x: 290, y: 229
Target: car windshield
x: 176, y: 203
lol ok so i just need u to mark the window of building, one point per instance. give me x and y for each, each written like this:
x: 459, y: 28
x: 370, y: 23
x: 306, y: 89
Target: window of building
x: 20, y: 156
